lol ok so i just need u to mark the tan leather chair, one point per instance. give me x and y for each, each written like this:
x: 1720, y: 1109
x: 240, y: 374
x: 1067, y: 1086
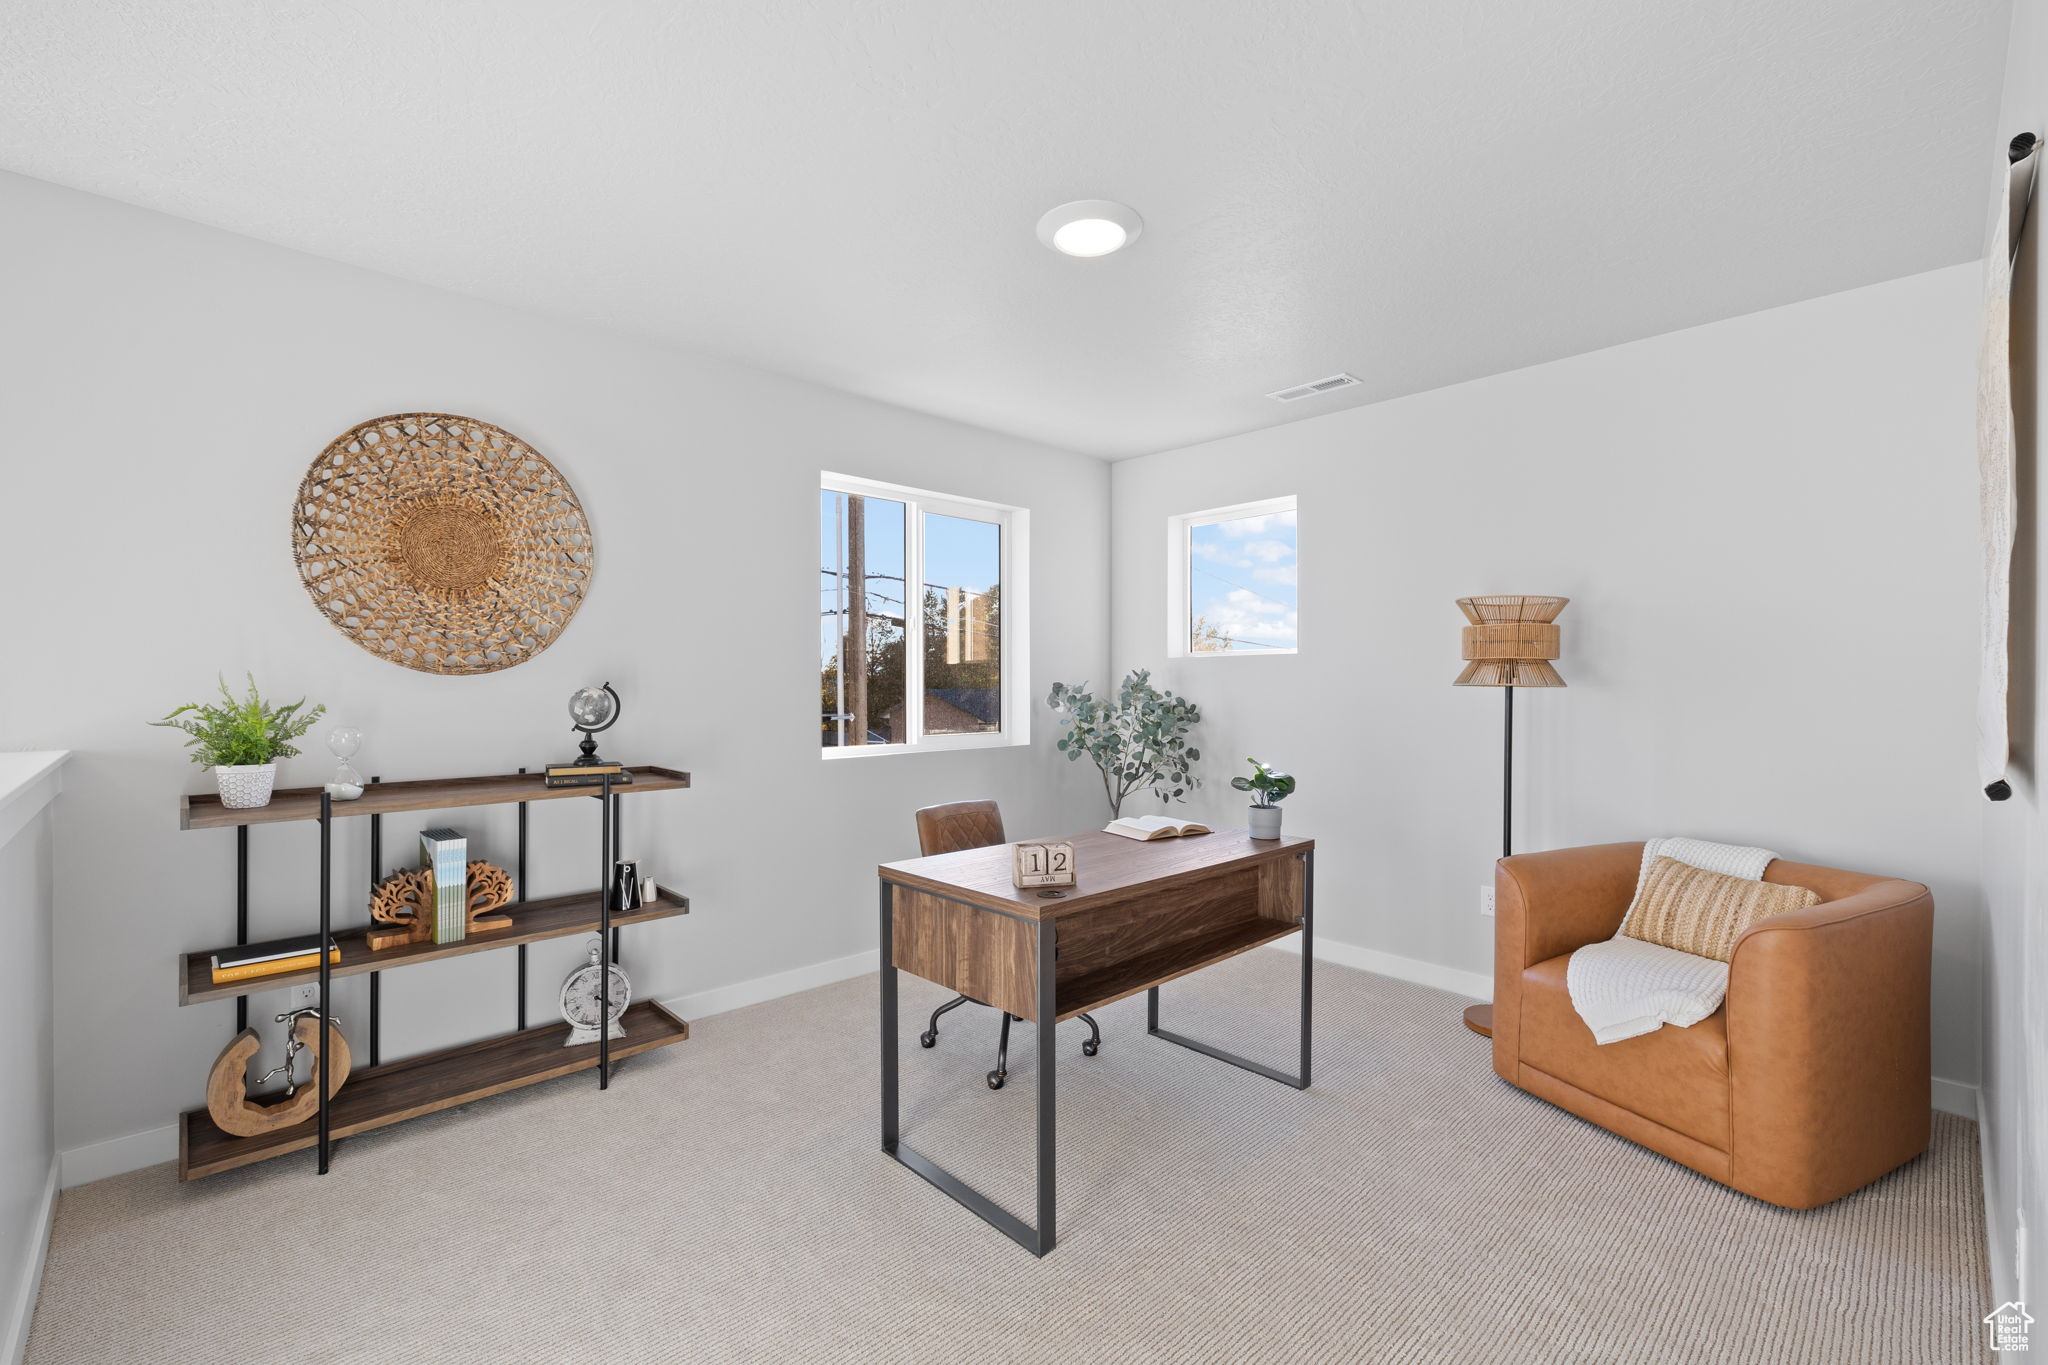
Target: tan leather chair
x: 1809, y: 1082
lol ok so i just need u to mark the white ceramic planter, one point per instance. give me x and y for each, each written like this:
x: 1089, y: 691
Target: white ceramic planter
x: 1265, y: 822
x: 246, y: 786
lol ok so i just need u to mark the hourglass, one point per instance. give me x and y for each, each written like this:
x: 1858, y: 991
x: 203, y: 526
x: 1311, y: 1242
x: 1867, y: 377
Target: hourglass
x: 348, y: 783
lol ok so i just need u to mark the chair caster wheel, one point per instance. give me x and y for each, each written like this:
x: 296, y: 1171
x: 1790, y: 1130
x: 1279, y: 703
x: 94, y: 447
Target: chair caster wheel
x: 923, y: 1039
x: 995, y: 1080
x: 1089, y: 1047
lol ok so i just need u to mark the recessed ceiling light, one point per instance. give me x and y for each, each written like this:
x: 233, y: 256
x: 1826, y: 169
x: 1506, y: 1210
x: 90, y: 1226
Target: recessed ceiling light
x: 1090, y: 227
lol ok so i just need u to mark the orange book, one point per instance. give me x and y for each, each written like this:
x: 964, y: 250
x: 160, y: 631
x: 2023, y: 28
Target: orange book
x: 275, y: 967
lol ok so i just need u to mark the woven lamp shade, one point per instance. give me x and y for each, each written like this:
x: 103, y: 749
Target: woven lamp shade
x: 1511, y: 641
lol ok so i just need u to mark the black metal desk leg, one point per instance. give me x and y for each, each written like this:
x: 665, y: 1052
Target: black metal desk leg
x: 1308, y: 958
x: 889, y: 1130
x: 1039, y: 1240
x: 1300, y: 1080
x: 1048, y: 1093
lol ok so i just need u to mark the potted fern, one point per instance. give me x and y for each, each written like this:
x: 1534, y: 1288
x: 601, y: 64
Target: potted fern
x: 241, y: 739
x: 1270, y: 787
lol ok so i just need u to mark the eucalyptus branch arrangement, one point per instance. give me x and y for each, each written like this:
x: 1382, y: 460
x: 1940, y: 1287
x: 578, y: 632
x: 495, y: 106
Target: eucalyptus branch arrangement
x: 1138, y: 739
x: 1269, y: 786
x: 244, y: 731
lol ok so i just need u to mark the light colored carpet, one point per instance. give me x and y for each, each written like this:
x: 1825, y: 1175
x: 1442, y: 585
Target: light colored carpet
x: 727, y: 1201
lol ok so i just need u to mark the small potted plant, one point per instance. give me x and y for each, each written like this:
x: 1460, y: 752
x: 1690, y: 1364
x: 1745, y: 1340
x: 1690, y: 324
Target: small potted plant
x: 241, y: 739
x: 1271, y: 787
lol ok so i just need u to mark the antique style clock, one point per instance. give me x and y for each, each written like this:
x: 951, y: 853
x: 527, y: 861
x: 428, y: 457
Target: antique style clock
x: 581, y: 1002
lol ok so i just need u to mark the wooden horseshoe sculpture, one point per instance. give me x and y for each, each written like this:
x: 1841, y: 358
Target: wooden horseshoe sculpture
x: 227, y: 1097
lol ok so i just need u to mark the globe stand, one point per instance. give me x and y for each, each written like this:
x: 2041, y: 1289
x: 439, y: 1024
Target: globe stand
x: 591, y: 709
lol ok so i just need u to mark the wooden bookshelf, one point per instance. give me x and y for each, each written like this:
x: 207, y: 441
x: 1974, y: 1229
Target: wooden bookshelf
x: 532, y: 921
x: 375, y: 1095
x: 378, y: 1096
x: 204, y: 810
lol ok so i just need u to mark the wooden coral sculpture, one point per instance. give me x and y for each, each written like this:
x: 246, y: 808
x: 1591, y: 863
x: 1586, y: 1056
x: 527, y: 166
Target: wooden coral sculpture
x: 405, y: 901
x: 489, y: 888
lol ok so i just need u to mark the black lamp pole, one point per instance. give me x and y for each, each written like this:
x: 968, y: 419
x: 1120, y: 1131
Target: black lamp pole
x: 1507, y: 777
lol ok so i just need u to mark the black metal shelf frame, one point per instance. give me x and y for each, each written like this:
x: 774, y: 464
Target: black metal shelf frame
x: 608, y: 857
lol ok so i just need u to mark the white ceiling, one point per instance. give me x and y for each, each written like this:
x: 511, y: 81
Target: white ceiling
x: 847, y: 190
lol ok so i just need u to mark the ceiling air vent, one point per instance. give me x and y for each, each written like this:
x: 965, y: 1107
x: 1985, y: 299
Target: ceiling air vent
x: 1314, y: 387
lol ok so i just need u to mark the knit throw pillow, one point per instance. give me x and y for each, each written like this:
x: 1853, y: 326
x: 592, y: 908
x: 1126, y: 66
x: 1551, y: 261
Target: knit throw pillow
x: 1696, y: 911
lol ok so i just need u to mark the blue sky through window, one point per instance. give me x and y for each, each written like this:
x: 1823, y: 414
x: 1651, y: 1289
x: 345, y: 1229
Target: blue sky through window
x: 1242, y: 585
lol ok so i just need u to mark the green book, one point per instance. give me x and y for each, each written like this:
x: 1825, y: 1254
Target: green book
x: 445, y: 853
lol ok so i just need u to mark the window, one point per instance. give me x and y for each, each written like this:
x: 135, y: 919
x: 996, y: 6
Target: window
x: 919, y: 622
x: 1232, y: 581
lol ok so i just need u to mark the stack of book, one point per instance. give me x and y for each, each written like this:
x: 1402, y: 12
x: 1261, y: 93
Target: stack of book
x: 445, y: 853
x: 271, y: 959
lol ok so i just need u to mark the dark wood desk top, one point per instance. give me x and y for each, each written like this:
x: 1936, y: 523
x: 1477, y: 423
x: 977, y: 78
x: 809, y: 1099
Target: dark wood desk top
x: 1109, y: 865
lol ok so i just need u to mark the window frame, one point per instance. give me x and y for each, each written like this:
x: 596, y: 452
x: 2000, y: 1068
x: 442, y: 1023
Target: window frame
x: 1013, y: 649
x: 1180, y: 552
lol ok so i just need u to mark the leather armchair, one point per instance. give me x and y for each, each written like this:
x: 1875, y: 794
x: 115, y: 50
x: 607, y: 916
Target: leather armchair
x: 1809, y: 1082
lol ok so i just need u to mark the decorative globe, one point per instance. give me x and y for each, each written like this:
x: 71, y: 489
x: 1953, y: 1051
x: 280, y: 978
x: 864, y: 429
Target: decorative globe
x: 592, y: 708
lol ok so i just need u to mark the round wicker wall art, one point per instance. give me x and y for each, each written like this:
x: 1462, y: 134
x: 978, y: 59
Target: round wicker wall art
x: 441, y: 543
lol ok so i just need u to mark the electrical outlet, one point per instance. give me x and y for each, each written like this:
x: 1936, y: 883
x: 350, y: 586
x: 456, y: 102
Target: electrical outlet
x: 306, y: 997
x: 1486, y: 900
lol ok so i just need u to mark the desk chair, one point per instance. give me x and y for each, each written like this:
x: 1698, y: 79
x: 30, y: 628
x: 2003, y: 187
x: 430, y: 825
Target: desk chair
x: 951, y: 828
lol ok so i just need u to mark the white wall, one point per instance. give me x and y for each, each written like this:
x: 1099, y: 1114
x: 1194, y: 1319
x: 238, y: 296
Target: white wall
x: 2015, y: 1003
x: 28, y: 1153
x: 168, y: 384
x: 1766, y: 527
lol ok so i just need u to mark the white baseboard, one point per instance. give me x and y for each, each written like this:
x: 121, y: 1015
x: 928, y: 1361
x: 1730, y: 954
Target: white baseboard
x: 1478, y: 985
x: 2004, y: 1279
x: 740, y: 994
x: 14, y: 1345
x: 1950, y: 1097
x: 118, y: 1156
x: 1955, y: 1097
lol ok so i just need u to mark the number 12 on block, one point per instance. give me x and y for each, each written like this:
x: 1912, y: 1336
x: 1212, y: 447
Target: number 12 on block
x: 1042, y: 864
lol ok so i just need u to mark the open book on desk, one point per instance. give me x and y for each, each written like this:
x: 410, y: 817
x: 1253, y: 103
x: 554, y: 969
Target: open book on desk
x: 1153, y: 827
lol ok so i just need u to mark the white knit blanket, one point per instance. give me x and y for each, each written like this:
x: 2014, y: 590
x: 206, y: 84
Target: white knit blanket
x: 1625, y: 987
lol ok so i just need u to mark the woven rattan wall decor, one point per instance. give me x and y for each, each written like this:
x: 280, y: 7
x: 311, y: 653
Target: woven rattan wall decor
x: 441, y: 543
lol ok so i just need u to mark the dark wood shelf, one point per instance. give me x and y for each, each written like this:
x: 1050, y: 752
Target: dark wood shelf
x: 204, y: 810
x: 375, y: 1097
x: 532, y: 921
x: 1093, y: 990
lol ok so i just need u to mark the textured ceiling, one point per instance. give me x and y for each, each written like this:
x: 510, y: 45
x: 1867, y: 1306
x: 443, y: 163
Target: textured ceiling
x: 847, y: 190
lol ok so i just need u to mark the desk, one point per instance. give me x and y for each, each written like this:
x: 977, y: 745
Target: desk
x: 1141, y: 915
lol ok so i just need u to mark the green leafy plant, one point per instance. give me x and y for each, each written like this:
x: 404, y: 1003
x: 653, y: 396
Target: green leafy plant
x: 240, y: 731
x: 1139, y: 739
x: 1271, y: 785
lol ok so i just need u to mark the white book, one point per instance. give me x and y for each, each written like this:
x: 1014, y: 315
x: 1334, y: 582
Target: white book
x: 1148, y: 827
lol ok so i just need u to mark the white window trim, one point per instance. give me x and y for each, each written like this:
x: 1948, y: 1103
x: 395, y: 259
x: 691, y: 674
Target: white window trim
x: 1015, y: 646
x: 1180, y: 591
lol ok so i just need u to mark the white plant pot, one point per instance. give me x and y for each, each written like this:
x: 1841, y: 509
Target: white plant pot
x: 1265, y: 822
x: 246, y: 786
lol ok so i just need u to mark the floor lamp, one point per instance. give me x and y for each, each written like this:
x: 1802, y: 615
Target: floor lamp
x: 1509, y: 644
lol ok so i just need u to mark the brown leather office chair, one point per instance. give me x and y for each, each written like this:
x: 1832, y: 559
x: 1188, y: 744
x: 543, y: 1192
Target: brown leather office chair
x: 951, y: 828
x: 1810, y: 1081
